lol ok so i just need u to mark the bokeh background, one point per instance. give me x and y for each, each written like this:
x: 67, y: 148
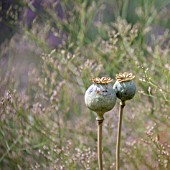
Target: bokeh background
x: 48, y: 52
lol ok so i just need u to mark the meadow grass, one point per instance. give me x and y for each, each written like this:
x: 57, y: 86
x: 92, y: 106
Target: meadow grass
x: 44, y: 123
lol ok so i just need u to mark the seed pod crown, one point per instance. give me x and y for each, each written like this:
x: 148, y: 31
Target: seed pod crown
x: 103, y: 80
x: 123, y: 77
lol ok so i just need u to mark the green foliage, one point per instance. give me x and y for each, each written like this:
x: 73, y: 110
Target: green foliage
x: 44, y: 122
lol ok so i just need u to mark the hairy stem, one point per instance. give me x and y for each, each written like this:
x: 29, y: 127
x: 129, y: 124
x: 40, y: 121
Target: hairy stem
x: 122, y: 105
x: 99, y: 145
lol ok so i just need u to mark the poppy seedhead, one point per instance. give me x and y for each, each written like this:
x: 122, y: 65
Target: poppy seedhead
x: 124, y: 86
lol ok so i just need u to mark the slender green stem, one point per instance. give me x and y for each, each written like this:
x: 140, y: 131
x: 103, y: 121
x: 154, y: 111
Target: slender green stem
x: 122, y: 105
x: 99, y: 145
x: 10, y: 148
x: 120, y: 7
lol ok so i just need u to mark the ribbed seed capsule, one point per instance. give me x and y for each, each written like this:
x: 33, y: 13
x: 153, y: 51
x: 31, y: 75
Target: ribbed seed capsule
x: 100, y: 96
x: 124, y: 86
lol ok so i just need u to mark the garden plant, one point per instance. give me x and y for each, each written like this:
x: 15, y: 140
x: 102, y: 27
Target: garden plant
x: 48, y: 52
x: 100, y: 98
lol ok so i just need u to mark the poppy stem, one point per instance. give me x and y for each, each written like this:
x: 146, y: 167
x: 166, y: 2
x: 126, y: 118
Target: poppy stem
x: 99, y: 145
x: 122, y: 105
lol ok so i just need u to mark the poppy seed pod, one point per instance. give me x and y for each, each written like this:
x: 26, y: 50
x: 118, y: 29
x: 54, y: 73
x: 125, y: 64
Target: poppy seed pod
x: 124, y: 86
x: 100, y: 96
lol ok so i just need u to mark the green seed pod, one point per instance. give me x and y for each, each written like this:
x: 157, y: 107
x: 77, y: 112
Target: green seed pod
x: 124, y: 86
x: 100, y: 96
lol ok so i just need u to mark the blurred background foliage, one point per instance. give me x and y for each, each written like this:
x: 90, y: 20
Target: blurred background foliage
x: 50, y: 50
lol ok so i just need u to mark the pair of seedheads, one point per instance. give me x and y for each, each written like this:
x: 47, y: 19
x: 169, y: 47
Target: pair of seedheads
x: 100, y: 97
